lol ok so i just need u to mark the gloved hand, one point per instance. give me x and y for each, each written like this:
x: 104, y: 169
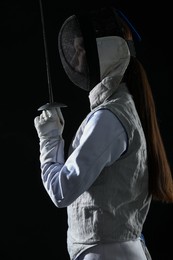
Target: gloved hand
x: 50, y: 123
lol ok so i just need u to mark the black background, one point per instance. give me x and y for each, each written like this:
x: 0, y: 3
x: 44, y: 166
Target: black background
x: 31, y: 226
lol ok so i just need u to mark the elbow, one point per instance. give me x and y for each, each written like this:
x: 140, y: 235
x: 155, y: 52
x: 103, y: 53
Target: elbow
x: 64, y: 202
x: 61, y: 203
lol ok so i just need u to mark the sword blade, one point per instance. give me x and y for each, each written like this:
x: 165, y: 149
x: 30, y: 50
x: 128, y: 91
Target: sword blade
x: 51, y: 103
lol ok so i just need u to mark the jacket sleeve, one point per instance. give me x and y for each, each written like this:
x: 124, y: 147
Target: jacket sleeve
x: 102, y: 141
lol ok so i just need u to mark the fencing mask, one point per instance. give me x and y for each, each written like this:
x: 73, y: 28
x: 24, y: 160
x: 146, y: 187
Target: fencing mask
x: 77, y: 43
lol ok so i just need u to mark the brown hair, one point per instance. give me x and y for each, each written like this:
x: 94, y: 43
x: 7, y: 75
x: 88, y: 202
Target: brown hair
x: 160, y: 176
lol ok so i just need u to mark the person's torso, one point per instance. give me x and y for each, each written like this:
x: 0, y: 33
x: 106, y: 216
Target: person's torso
x: 114, y: 208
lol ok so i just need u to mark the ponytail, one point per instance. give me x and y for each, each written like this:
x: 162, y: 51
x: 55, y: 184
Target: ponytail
x: 160, y: 177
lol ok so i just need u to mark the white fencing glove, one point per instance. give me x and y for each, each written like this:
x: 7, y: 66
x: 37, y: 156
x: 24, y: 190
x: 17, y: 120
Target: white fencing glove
x: 50, y: 123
